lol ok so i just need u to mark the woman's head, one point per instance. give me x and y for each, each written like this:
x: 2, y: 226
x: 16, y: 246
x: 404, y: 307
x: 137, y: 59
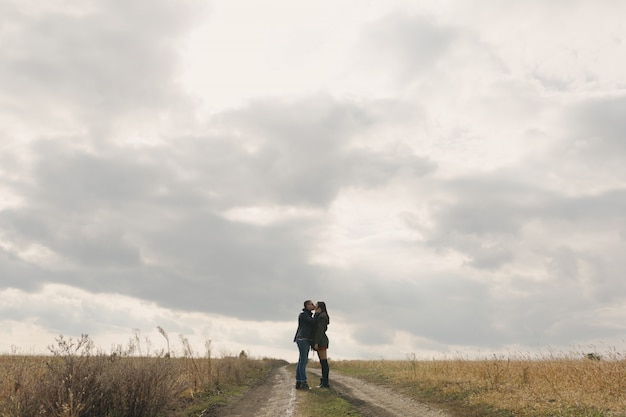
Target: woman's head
x: 321, y: 307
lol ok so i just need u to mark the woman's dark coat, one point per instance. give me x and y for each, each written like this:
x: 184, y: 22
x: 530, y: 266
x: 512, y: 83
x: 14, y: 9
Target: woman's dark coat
x: 319, y: 330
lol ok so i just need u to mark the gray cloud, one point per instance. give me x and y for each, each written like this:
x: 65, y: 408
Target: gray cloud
x: 448, y: 309
x: 114, y: 60
x: 18, y: 274
x: 306, y: 151
x: 598, y: 129
x: 71, y: 180
x: 405, y: 44
x: 113, y: 213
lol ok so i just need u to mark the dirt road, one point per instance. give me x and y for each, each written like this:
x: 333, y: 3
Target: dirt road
x: 276, y: 397
x: 375, y: 401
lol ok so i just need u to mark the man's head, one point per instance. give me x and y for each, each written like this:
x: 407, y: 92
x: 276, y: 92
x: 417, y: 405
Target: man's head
x: 308, y: 304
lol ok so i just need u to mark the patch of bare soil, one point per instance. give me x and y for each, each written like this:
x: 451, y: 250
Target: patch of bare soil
x: 376, y: 401
x: 275, y: 397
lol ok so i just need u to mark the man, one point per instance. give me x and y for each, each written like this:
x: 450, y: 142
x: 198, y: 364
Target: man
x: 303, y: 340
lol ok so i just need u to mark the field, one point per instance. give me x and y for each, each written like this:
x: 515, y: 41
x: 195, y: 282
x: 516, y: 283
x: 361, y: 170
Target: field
x: 551, y: 384
x: 77, y: 380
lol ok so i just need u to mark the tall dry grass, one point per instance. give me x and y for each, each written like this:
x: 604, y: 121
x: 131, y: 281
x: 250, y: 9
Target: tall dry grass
x: 547, y: 384
x: 78, y: 380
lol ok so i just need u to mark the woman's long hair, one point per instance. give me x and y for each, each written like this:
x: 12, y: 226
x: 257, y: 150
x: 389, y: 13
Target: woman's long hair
x: 322, y: 305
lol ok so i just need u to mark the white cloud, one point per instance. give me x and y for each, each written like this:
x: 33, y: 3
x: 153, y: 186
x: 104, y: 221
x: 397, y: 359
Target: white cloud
x: 265, y: 216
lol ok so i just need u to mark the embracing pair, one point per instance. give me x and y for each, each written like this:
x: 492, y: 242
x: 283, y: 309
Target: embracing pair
x: 311, y: 333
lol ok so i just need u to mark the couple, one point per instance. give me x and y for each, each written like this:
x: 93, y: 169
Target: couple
x: 312, y: 333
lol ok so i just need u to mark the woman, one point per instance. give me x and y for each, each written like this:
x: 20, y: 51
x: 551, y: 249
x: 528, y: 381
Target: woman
x: 303, y: 340
x: 320, y: 340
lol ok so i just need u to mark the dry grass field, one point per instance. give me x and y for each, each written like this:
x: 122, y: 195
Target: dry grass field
x: 546, y: 384
x: 77, y: 380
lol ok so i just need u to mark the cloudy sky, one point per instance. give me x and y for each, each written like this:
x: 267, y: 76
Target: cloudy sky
x: 448, y: 176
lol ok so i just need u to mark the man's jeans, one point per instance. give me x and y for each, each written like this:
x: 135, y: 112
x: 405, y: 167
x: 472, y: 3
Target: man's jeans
x: 303, y: 346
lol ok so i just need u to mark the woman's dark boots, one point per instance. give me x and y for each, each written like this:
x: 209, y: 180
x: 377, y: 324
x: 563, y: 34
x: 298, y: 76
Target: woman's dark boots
x: 324, y: 379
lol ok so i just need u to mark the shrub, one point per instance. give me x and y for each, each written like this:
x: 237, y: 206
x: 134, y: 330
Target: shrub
x: 77, y: 380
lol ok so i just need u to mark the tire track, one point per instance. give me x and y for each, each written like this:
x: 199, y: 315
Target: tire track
x: 275, y: 397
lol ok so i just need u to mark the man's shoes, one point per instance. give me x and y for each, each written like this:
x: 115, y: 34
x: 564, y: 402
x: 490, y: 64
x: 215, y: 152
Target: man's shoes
x: 304, y: 385
x: 298, y: 384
